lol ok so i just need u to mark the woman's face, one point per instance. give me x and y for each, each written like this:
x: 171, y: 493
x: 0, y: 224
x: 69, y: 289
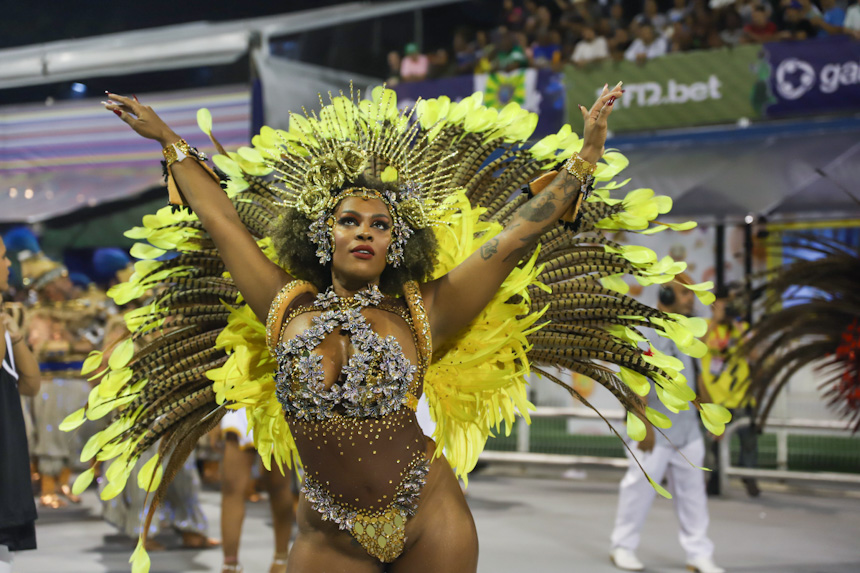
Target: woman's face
x: 4, y: 268
x: 362, y: 233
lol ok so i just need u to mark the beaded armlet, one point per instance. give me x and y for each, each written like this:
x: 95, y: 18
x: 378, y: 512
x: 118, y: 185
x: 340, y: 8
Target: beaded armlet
x: 421, y: 326
x: 277, y: 312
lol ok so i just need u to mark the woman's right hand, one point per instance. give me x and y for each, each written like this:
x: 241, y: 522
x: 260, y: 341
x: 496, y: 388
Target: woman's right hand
x: 141, y: 118
x: 595, y: 130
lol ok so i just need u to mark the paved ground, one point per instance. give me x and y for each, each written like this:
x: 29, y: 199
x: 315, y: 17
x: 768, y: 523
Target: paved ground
x: 526, y: 524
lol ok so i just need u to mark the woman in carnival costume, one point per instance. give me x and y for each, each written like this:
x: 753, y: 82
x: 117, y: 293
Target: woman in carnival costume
x: 395, y: 253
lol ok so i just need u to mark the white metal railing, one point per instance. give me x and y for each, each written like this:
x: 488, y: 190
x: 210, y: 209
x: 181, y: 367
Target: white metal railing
x: 525, y: 456
x: 726, y: 469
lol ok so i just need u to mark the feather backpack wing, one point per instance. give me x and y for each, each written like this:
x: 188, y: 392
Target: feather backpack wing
x: 194, y: 349
x: 810, y: 315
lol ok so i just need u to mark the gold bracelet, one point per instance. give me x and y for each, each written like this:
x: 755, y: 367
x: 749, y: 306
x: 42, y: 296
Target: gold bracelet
x: 177, y: 152
x: 579, y: 167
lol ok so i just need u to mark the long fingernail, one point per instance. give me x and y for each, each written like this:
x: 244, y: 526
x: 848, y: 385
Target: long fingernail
x: 611, y: 101
x: 605, y: 86
x: 135, y: 98
x: 117, y: 112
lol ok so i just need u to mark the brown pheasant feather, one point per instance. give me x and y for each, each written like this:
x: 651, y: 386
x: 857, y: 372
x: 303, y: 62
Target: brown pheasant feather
x: 810, y: 315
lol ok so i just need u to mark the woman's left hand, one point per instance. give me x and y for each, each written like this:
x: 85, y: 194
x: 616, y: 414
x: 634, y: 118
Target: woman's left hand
x: 11, y: 326
x: 596, y: 118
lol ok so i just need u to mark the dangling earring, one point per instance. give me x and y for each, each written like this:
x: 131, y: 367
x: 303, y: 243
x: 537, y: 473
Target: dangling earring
x: 320, y: 233
x: 400, y: 232
x: 394, y: 255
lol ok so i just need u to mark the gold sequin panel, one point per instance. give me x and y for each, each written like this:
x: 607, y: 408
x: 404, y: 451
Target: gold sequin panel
x: 381, y: 533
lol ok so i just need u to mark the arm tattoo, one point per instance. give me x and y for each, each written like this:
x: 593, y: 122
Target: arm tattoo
x: 538, y: 209
x: 528, y: 245
x: 570, y: 186
x: 490, y: 248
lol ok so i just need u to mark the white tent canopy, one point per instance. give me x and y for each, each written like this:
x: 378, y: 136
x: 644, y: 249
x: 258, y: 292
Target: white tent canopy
x: 57, y: 159
x: 180, y: 46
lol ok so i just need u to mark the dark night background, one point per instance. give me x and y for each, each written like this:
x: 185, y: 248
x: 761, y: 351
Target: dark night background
x: 30, y: 22
x: 27, y: 23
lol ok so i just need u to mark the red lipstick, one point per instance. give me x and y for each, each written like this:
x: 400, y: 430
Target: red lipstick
x: 365, y: 252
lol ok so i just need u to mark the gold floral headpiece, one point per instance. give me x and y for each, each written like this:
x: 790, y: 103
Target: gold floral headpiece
x: 327, y: 173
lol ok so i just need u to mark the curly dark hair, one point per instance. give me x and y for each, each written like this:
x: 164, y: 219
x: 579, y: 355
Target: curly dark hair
x: 298, y: 254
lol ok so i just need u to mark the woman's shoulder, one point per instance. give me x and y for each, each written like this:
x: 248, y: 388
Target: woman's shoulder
x: 292, y: 296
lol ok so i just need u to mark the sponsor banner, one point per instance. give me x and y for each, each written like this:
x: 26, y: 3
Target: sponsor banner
x: 814, y: 76
x: 540, y: 91
x: 677, y: 90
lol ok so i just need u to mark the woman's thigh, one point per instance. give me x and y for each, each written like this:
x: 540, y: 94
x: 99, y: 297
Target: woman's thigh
x: 451, y: 547
x: 313, y: 553
x: 236, y: 466
x: 443, y: 536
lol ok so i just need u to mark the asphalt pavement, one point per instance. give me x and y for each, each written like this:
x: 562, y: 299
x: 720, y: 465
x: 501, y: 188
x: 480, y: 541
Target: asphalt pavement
x: 537, y: 521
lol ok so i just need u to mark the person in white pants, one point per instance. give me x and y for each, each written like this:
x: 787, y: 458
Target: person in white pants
x: 660, y: 459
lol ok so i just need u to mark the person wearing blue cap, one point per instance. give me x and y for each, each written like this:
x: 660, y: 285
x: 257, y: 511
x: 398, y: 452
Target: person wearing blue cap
x: 109, y: 263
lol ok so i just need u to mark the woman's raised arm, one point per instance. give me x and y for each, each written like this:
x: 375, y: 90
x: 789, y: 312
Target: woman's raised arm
x: 455, y: 299
x: 258, y: 278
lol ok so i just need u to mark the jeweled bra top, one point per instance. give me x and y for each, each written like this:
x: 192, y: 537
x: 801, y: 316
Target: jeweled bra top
x: 359, y: 440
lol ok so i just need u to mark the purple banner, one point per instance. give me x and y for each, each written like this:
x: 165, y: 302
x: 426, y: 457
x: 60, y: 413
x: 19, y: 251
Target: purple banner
x: 814, y: 76
x: 540, y: 91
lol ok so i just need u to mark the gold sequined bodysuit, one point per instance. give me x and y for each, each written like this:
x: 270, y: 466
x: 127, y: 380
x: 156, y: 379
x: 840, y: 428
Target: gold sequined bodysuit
x: 359, y: 440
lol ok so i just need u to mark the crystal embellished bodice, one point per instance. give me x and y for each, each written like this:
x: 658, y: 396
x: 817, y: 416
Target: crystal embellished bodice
x: 375, y: 381
x: 358, y: 438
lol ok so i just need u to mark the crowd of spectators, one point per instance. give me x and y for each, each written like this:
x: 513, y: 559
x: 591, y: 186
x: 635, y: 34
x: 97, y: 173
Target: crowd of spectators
x: 555, y: 33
